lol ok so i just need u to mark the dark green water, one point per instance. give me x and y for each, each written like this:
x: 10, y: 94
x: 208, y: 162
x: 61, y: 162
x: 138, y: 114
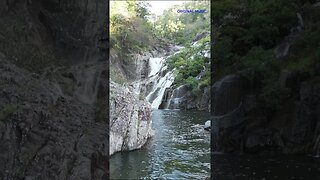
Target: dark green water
x: 180, y: 149
x: 277, y: 167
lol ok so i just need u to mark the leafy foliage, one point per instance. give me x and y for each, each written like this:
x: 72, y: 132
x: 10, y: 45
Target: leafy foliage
x: 181, y: 28
x: 242, y: 25
x: 130, y: 33
x: 129, y: 29
x: 190, y: 62
x: 246, y: 33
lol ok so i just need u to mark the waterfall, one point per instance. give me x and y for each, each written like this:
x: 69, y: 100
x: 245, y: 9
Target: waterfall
x: 161, y: 78
x: 316, y: 147
x: 155, y: 65
x: 155, y: 97
x: 88, y: 81
x: 282, y: 50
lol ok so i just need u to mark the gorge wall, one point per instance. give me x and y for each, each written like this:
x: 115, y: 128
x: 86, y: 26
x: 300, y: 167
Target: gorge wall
x: 130, y: 119
x: 53, y: 106
x: 241, y: 121
x: 130, y: 112
x: 244, y: 126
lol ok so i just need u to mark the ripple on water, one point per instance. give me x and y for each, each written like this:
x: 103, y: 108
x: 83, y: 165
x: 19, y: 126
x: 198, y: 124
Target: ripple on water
x: 179, y: 150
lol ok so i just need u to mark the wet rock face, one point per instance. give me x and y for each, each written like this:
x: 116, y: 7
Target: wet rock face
x: 130, y: 119
x: 182, y: 98
x: 45, y: 133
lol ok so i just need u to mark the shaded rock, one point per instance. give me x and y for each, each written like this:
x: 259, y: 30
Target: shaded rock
x: 253, y: 141
x: 228, y: 92
x: 183, y: 98
x: 200, y: 36
x: 245, y: 125
x: 49, y: 134
x: 293, y: 129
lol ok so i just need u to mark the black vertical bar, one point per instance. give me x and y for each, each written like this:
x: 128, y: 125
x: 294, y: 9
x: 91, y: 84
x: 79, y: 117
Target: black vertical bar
x: 108, y: 87
x: 211, y: 89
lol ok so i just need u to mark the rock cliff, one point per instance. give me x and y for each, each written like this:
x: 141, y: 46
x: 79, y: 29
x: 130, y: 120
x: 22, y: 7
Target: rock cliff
x: 53, y: 106
x: 130, y: 119
x: 130, y: 113
x: 244, y: 124
x: 46, y: 133
x: 183, y: 98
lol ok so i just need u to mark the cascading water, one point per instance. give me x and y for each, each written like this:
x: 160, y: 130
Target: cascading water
x: 157, y: 67
x: 88, y: 81
x: 317, y: 147
x: 161, y: 83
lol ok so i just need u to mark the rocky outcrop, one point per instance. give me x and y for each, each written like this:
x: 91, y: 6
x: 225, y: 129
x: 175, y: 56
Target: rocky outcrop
x: 46, y: 133
x: 183, y: 98
x: 74, y: 32
x: 307, y: 15
x: 200, y: 36
x: 53, y: 120
x: 130, y: 119
x: 178, y: 98
x: 243, y: 125
x: 130, y: 113
x: 228, y: 93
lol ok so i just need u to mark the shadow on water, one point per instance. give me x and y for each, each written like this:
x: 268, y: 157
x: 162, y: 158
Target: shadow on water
x: 180, y: 149
x: 234, y: 167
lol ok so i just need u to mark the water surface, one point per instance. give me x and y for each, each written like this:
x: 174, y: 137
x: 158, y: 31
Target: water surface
x: 180, y: 149
x: 281, y: 167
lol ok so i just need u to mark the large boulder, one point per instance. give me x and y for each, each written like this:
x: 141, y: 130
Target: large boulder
x: 294, y: 128
x: 200, y: 36
x: 130, y: 119
x: 183, y: 98
x: 228, y: 93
